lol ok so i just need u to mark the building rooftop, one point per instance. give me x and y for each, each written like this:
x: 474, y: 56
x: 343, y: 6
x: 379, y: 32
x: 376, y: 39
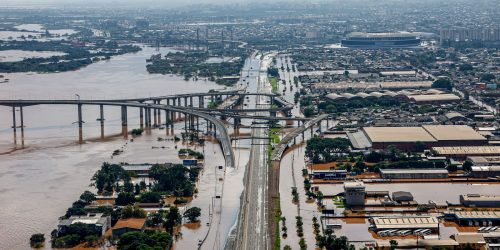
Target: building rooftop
x: 404, y: 222
x: 434, y: 98
x: 468, y: 150
x: 453, y: 132
x: 138, y: 167
x: 398, y: 134
x: 485, y: 168
x: 414, y: 171
x: 406, y: 243
x: 476, y: 214
x: 354, y: 184
x: 381, y: 34
x: 478, y: 197
x: 136, y: 223
x: 90, y: 219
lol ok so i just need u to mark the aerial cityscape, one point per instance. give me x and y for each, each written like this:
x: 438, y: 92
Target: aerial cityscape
x: 259, y: 125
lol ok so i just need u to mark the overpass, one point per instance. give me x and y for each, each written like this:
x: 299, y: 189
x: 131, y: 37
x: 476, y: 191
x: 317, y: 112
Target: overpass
x: 145, y: 108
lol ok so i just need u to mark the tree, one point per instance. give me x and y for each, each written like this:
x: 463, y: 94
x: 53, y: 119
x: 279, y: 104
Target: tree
x: 326, y: 149
x: 125, y: 199
x: 173, y: 219
x: 88, y: 197
x: 150, y: 197
x: 37, y: 240
x: 145, y: 240
x: 192, y: 214
x: 133, y: 212
x: 394, y: 244
x: 443, y: 83
x: 488, y: 77
x: 467, y: 165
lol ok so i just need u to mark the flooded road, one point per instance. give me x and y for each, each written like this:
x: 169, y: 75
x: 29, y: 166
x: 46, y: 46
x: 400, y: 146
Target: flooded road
x: 40, y: 180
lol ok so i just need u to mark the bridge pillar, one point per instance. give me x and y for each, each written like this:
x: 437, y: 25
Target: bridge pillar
x: 14, y: 126
x: 200, y: 102
x: 185, y: 123
x: 80, y: 124
x: 198, y: 124
x: 155, y: 117
x: 185, y: 102
x: 159, y: 115
x: 101, y: 119
x: 191, y: 101
x: 148, y: 117
x: 327, y: 123
x: 124, y: 121
x: 319, y: 126
x: 21, y: 114
x: 141, y: 117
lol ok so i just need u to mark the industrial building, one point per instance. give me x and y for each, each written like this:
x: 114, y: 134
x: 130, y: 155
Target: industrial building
x: 474, y: 218
x: 354, y: 193
x: 418, y: 96
x: 413, y: 173
x: 485, y: 171
x: 477, y: 200
x: 405, y: 222
x: 405, y: 138
x: 380, y: 40
x: 462, y: 152
x: 484, y: 160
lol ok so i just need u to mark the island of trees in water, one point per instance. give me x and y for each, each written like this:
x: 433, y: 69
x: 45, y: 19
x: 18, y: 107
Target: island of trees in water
x: 196, y: 64
x: 76, y: 55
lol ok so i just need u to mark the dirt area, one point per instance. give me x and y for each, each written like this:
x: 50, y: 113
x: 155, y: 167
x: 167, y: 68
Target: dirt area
x: 460, y: 228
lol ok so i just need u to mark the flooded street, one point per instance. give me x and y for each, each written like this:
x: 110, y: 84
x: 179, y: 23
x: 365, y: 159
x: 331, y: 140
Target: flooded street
x: 41, y: 179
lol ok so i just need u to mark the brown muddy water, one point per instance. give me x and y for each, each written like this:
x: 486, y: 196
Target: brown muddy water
x: 40, y: 180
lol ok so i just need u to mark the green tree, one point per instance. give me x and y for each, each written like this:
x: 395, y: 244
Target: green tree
x: 133, y: 212
x: 467, y: 165
x: 125, y: 199
x: 37, y: 240
x: 192, y: 214
x: 150, y: 197
x: 88, y: 197
x: 173, y: 219
x: 443, y: 83
x: 326, y: 149
x: 150, y: 240
x: 394, y: 244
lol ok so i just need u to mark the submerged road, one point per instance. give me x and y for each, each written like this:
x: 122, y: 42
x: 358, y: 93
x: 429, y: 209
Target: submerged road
x: 252, y: 225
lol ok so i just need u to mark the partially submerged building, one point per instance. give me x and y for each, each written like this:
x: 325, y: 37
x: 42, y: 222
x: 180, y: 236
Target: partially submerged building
x: 414, y: 173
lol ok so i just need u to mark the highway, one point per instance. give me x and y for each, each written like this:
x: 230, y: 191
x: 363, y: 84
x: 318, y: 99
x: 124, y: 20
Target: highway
x: 252, y: 225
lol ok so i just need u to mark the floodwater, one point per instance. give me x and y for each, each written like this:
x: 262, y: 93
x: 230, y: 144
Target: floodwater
x: 40, y: 179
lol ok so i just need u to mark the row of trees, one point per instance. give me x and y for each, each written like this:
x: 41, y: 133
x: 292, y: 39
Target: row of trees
x: 326, y: 149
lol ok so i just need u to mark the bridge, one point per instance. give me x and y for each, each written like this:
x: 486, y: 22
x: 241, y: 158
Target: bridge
x: 145, y: 109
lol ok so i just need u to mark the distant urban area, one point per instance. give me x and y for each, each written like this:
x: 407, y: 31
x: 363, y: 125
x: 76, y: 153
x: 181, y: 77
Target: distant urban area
x: 334, y: 125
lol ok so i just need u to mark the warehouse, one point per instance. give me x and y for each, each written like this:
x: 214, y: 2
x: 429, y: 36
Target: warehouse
x: 484, y: 160
x: 403, y: 138
x: 477, y: 200
x: 413, y: 173
x: 464, y: 151
x: 474, y: 218
x: 485, y: 171
x: 406, y: 222
x: 406, y: 138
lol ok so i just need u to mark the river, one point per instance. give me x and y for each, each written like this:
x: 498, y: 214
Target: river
x: 39, y: 180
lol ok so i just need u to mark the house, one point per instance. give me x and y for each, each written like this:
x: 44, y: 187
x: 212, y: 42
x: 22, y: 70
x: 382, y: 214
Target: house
x: 98, y: 221
x: 129, y: 225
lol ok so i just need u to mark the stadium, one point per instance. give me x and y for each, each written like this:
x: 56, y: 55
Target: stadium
x: 380, y: 40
